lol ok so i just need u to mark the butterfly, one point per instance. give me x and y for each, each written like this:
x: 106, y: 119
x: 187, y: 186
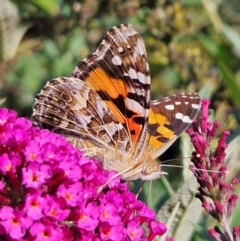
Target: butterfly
x: 105, y: 109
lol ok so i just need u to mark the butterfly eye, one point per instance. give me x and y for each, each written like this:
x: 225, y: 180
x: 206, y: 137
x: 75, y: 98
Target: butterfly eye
x: 148, y: 168
x: 152, y: 171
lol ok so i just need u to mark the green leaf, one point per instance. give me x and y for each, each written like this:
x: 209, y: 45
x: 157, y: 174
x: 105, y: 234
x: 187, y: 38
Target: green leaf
x: 229, y: 79
x: 11, y: 32
x: 49, y: 7
x: 50, y: 49
x: 233, y: 154
x: 209, y: 44
x: 171, y: 220
x: 232, y: 36
x: 186, y: 210
x: 155, y: 193
x: 186, y: 153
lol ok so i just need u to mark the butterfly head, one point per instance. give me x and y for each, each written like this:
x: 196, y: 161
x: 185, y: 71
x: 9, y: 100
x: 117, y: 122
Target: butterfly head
x: 152, y: 171
x: 150, y: 168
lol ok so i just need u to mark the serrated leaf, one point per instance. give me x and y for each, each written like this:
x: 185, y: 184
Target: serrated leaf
x: 11, y: 32
x: 181, y: 226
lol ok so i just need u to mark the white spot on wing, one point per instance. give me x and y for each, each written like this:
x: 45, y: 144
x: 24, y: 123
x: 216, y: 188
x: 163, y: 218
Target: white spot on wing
x: 120, y: 50
x: 147, y: 67
x: 195, y: 106
x: 137, y: 75
x: 134, y: 105
x: 169, y: 107
x: 141, y: 77
x: 179, y: 116
x: 140, y: 47
x: 184, y: 118
x: 132, y: 73
x: 116, y: 60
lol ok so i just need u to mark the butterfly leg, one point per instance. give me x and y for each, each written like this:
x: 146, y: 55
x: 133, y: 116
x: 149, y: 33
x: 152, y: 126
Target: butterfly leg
x: 115, y: 176
x: 140, y: 189
x: 96, y: 153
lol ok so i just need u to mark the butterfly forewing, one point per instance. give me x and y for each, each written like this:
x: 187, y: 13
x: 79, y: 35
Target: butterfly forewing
x: 118, y: 71
x: 168, y: 118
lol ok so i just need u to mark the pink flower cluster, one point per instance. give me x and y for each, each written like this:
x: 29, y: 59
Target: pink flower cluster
x: 215, y: 193
x: 48, y: 191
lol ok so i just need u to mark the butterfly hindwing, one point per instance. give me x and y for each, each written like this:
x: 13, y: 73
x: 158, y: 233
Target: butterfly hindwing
x: 70, y: 107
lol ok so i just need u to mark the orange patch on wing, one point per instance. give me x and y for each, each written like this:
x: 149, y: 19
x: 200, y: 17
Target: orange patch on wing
x: 136, y: 127
x: 155, y: 143
x: 99, y: 80
x: 115, y: 111
x: 112, y: 87
x: 156, y: 118
x: 161, y: 130
x: 165, y: 132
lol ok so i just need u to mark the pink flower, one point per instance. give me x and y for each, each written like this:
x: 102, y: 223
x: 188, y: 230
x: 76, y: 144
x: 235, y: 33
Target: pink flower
x: 49, y: 190
x: 134, y: 230
x: 34, y: 204
x: 46, y: 230
x: 88, y: 217
x: 14, y: 222
x: 34, y: 175
x: 109, y: 232
x: 56, y: 208
x: 72, y: 193
x: 210, y: 170
x: 109, y: 213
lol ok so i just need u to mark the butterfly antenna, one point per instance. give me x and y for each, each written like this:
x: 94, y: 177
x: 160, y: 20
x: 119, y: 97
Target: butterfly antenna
x: 178, y: 166
x: 195, y: 168
x: 176, y: 159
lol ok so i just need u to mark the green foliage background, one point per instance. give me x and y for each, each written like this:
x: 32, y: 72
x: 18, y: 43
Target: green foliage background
x: 192, y: 45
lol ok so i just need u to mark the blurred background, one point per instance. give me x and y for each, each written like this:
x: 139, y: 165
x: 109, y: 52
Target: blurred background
x: 192, y: 46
